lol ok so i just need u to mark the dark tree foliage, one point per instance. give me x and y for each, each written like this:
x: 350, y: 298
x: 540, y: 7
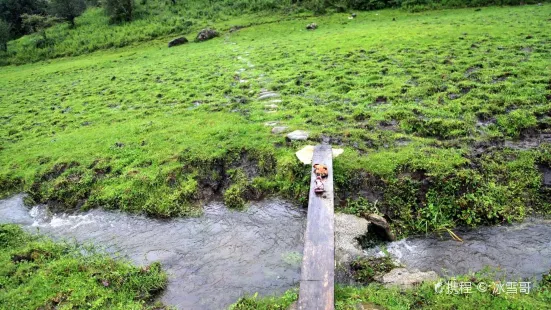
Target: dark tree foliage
x: 119, y: 10
x: 11, y: 11
x: 93, y: 3
x: 67, y: 9
x: 4, y: 35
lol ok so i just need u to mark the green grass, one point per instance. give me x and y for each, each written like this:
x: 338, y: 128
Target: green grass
x: 152, y: 19
x: 37, y: 273
x: 157, y: 130
x: 421, y: 296
x: 266, y: 303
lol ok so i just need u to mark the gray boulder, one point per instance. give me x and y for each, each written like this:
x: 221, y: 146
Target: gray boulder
x: 312, y: 26
x: 177, y: 41
x: 405, y: 278
x: 381, y: 227
x: 206, y: 34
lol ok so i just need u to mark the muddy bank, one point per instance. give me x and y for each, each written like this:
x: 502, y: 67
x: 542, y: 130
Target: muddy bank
x: 211, y: 260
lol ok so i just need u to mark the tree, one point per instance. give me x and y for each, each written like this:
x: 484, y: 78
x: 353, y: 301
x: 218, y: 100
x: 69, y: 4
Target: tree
x: 67, y: 9
x: 119, y: 10
x: 4, y: 35
x: 38, y: 24
x: 12, y: 10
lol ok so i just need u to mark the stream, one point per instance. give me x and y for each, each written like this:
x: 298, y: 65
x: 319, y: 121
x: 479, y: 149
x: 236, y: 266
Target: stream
x: 513, y: 251
x: 211, y: 260
x: 214, y: 259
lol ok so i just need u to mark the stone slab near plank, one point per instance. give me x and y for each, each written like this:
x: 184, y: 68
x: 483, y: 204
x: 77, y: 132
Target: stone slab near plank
x: 298, y: 135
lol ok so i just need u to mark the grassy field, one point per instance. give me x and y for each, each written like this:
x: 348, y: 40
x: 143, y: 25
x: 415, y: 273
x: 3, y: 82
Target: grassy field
x: 152, y: 19
x: 441, y: 115
x: 37, y: 273
x: 422, y: 296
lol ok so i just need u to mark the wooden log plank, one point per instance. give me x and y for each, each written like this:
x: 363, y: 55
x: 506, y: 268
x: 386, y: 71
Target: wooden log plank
x: 318, y: 262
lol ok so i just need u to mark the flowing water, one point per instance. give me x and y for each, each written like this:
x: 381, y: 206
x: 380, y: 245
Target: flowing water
x: 515, y: 251
x: 214, y: 259
x: 211, y: 260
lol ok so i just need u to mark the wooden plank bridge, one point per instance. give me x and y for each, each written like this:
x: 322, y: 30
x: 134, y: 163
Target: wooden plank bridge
x: 318, y: 262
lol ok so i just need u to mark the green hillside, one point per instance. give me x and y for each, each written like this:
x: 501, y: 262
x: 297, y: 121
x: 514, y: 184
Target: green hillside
x: 444, y: 117
x: 152, y: 19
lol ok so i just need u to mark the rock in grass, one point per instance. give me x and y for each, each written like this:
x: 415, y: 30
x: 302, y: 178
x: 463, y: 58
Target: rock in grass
x: 177, y: 41
x: 206, y: 34
x: 279, y: 129
x: 453, y: 96
x: 297, y: 135
x: 267, y: 95
x: 312, y: 26
x: 380, y: 226
x: 405, y: 278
